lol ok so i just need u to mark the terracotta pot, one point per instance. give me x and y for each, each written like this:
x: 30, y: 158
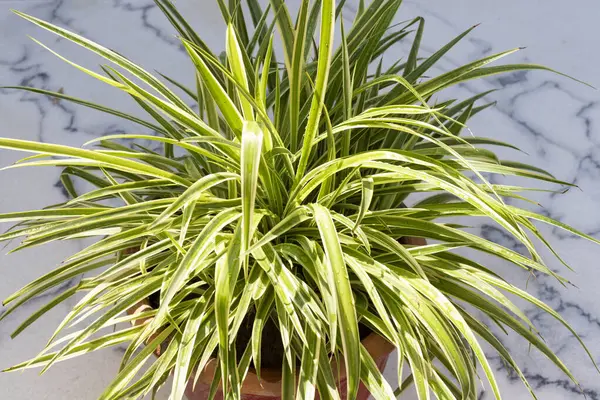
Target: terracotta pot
x: 269, y: 386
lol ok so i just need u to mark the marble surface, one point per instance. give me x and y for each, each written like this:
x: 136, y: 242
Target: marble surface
x: 554, y: 120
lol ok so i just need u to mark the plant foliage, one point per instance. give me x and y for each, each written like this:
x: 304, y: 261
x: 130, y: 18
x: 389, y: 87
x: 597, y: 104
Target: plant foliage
x: 281, y: 187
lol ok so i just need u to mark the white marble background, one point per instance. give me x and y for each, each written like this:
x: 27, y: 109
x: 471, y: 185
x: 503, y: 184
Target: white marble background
x: 554, y: 120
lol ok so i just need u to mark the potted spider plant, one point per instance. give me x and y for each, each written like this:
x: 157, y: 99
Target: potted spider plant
x: 272, y: 247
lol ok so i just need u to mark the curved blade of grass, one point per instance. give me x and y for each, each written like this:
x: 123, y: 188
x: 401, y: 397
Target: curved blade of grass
x: 295, y: 218
x: 49, y: 214
x: 217, y: 142
x: 286, y: 29
x: 126, y: 187
x: 227, y: 269
x: 193, y: 193
x: 89, y: 104
x: 218, y: 94
x: 252, y: 138
x: 108, y: 340
x: 192, y: 262
x: 372, y: 377
x: 128, y: 373
x: 482, y: 330
x: 43, y: 310
x: 411, y: 62
x: 365, y: 202
x: 184, y: 355
x: 108, y: 160
x: 263, y: 309
x: 309, y: 365
x: 109, y: 55
x: 325, y: 49
x: 348, y: 87
x: 236, y: 63
x: 296, y: 77
x: 347, y: 312
x: 509, y: 321
x: 128, y: 301
x: 449, y: 78
x: 435, y: 57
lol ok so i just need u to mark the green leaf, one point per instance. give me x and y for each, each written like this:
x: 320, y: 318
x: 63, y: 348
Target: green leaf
x: 85, y: 103
x: 365, y: 202
x: 348, y: 88
x: 102, y: 159
x: 218, y: 94
x: 309, y: 366
x: 236, y: 63
x: 323, y: 66
x: 297, y: 73
x: 372, y: 377
x: 263, y: 309
x: 435, y: 57
x: 226, y: 272
x: 252, y: 138
x: 296, y: 217
x: 128, y: 373
x: 345, y: 300
x: 449, y: 78
x: 193, y: 261
x: 411, y: 63
x: 184, y: 355
x: 193, y: 193
x: 108, y: 340
x: 264, y: 79
x: 109, y: 55
x: 286, y: 30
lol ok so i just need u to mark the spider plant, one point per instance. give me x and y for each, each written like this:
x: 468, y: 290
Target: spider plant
x: 281, y: 185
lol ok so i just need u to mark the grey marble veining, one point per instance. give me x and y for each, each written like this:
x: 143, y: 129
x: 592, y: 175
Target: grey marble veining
x: 554, y: 120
